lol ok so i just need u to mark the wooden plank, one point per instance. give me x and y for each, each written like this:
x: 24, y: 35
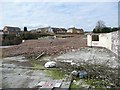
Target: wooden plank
x: 40, y: 55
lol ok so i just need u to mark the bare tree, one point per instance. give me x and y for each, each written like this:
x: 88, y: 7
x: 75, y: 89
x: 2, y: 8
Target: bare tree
x: 100, y: 24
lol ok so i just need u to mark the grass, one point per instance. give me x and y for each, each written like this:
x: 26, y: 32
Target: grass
x: 37, y: 66
x: 74, y: 86
x: 97, y: 84
x: 55, y: 74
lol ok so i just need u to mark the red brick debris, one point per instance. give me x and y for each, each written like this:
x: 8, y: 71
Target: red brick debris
x: 33, y: 48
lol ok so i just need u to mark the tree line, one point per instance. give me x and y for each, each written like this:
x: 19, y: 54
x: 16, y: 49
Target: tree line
x: 102, y: 28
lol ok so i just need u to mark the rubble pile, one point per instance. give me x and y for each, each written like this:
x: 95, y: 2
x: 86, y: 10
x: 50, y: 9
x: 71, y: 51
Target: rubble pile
x: 33, y: 48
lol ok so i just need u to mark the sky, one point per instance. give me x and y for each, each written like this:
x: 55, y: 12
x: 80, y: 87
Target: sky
x: 58, y: 14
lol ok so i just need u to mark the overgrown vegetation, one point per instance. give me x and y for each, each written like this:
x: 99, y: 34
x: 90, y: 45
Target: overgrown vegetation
x: 99, y: 76
x: 95, y: 84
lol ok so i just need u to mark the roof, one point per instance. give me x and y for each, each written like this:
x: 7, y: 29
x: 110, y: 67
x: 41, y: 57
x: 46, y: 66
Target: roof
x: 59, y: 29
x: 12, y: 28
x: 75, y: 29
x: 43, y: 28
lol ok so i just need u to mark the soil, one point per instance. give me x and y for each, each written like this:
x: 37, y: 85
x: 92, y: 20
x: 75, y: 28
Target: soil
x: 57, y: 46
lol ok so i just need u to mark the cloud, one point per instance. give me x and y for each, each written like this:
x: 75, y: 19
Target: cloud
x: 59, y: 1
x: 61, y: 14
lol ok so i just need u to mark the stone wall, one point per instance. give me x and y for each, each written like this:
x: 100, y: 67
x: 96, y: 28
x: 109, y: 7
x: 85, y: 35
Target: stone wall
x: 115, y: 47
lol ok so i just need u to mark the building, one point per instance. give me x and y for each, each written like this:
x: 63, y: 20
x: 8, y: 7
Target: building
x: 45, y: 30
x: 59, y: 30
x: 50, y: 30
x: 110, y: 40
x: 42, y: 30
x: 11, y: 30
x: 74, y: 30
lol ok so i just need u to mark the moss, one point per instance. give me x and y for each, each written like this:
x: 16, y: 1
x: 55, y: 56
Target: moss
x: 74, y: 86
x: 55, y: 74
x: 37, y: 66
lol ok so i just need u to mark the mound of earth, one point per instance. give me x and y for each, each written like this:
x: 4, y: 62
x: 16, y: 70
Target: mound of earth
x: 56, y: 46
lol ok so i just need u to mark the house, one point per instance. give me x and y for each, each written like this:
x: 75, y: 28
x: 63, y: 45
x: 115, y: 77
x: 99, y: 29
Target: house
x: 50, y: 30
x: 110, y: 40
x: 59, y: 30
x: 11, y: 30
x: 42, y: 30
x: 74, y: 30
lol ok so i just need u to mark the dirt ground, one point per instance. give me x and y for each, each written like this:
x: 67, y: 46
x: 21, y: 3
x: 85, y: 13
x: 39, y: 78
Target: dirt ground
x: 17, y: 73
x: 57, y: 46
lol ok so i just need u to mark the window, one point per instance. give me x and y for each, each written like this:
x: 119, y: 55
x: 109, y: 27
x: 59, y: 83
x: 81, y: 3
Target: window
x: 95, y: 37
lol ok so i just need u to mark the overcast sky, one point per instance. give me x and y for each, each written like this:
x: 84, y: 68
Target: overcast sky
x: 58, y: 14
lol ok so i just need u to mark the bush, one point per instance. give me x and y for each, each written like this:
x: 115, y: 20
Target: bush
x: 11, y: 39
x: 28, y: 35
x: 105, y: 30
